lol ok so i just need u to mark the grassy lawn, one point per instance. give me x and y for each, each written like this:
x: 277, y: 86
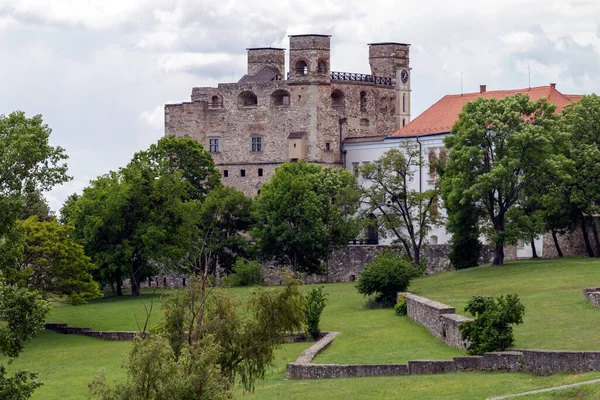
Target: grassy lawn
x: 556, y: 315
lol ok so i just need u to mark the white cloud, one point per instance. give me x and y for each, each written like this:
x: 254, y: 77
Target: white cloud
x: 154, y: 118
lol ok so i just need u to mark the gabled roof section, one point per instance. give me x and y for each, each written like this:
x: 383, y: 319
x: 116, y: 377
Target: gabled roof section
x: 266, y: 74
x: 440, y: 117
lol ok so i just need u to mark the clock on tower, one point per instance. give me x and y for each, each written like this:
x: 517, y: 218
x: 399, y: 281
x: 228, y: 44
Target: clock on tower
x: 404, y: 76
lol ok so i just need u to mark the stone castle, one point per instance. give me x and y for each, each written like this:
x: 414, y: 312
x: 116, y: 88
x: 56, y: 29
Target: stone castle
x: 269, y: 117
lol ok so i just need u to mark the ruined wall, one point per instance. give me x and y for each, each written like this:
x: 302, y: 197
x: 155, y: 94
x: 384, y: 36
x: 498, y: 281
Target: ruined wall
x: 571, y: 244
x: 593, y: 296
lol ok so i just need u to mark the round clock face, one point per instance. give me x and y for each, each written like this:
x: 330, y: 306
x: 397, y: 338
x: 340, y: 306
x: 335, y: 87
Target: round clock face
x: 404, y: 76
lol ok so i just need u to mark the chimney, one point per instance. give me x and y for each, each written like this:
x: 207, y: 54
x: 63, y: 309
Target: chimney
x: 553, y: 85
x: 482, y: 88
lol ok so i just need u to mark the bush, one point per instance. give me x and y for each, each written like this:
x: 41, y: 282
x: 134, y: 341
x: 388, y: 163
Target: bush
x: 385, y: 276
x: 491, y: 329
x: 315, y: 303
x: 400, y: 307
x: 245, y: 273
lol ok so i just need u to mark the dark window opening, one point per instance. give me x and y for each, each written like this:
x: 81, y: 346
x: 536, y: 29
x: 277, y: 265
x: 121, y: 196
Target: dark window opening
x: 328, y: 146
x: 403, y: 102
x: 256, y: 144
x: 337, y: 99
x: 260, y: 172
x: 225, y: 173
x: 321, y: 67
x: 363, y: 101
x: 258, y: 192
x: 403, y: 122
x: 242, y: 172
x: 301, y: 68
x: 352, y: 278
x: 280, y: 98
x: 294, y: 160
x: 247, y: 99
x: 216, y: 102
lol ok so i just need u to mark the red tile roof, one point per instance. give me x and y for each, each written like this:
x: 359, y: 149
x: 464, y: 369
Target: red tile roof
x: 440, y: 117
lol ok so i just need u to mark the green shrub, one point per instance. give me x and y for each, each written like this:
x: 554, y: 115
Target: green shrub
x: 385, y: 276
x: 315, y: 303
x: 245, y: 273
x: 400, y: 307
x: 491, y: 329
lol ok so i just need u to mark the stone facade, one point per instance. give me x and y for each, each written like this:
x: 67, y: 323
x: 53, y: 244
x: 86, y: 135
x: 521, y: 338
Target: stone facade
x: 264, y: 120
x: 593, y: 296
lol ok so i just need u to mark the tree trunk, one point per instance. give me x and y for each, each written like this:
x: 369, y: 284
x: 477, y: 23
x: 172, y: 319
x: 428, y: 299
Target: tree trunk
x: 586, y: 239
x: 596, y: 239
x: 498, y: 255
x: 417, y: 252
x: 136, y: 275
x: 119, y: 287
x: 294, y: 264
x: 533, y: 248
x: 112, y: 288
x: 558, y: 250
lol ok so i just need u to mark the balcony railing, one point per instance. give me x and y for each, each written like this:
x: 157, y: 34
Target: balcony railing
x: 353, y: 77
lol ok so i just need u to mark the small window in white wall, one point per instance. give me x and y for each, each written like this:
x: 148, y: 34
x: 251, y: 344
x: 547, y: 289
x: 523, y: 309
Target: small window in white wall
x: 433, y: 239
x: 355, y: 168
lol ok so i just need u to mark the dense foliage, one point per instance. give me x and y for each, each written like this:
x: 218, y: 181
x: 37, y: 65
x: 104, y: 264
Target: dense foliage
x: 386, y: 275
x: 315, y: 304
x: 491, y: 329
x: 303, y: 212
x: 400, y: 210
x: 245, y: 273
x: 498, y: 150
x: 205, y: 344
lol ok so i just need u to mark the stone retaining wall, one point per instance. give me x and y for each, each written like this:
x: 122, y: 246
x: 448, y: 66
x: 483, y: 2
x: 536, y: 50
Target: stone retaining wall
x: 440, y: 319
x: 593, y: 296
x: 104, y: 335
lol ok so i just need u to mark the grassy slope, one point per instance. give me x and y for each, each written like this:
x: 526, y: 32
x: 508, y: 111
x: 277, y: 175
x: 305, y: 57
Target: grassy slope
x: 556, y: 315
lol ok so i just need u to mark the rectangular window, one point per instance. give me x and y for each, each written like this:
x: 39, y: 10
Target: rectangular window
x: 355, y: 168
x: 225, y: 173
x: 242, y: 172
x: 256, y: 144
x: 328, y: 146
x: 213, y: 145
x: 260, y: 172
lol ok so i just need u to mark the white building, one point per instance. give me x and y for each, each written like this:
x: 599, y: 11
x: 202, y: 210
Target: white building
x: 428, y: 131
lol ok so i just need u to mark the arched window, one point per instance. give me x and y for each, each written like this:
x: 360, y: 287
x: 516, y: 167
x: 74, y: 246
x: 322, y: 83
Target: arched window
x: 363, y: 101
x: 216, y: 102
x: 403, y: 122
x: 433, y: 239
x: 280, y: 98
x: 247, y: 99
x: 321, y: 67
x: 403, y: 102
x: 337, y: 99
x: 301, y: 68
x: 364, y: 122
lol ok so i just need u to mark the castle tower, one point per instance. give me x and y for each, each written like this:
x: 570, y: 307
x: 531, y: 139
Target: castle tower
x: 309, y: 58
x: 261, y: 57
x: 392, y: 60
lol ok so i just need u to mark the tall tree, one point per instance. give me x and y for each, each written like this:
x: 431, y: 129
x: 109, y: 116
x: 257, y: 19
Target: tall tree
x: 498, y: 148
x: 303, y: 212
x: 391, y: 193
x: 581, y: 121
x: 145, y: 215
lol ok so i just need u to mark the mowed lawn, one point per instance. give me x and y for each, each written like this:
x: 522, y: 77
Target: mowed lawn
x: 556, y: 317
x: 556, y: 314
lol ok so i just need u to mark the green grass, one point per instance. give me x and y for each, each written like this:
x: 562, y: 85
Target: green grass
x: 556, y: 315
x: 587, y: 392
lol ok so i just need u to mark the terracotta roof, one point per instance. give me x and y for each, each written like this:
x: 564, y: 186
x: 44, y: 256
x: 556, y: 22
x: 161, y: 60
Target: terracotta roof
x: 440, y: 117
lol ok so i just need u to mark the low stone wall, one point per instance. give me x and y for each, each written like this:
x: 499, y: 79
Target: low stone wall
x: 592, y: 295
x: 550, y: 362
x: 440, y: 319
x: 104, y: 335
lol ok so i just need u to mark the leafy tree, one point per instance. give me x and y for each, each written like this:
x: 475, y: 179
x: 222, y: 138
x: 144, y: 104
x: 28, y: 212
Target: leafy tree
x: 387, y: 275
x: 401, y: 211
x: 303, y: 212
x: 491, y: 329
x: 53, y: 263
x: 36, y: 205
x: 498, y: 149
x: 315, y: 304
x: 146, y: 214
x: 463, y: 224
x: 580, y: 120
x: 224, y: 219
x: 245, y: 273
x: 205, y: 344
x: 22, y: 314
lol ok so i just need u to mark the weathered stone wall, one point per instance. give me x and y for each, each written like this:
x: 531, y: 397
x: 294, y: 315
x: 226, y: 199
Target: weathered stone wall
x: 103, y: 335
x: 310, y: 110
x: 440, y: 319
x: 593, y: 296
x: 571, y: 244
x: 549, y: 362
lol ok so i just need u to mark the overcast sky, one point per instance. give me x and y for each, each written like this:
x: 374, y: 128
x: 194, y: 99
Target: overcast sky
x: 100, y: 71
